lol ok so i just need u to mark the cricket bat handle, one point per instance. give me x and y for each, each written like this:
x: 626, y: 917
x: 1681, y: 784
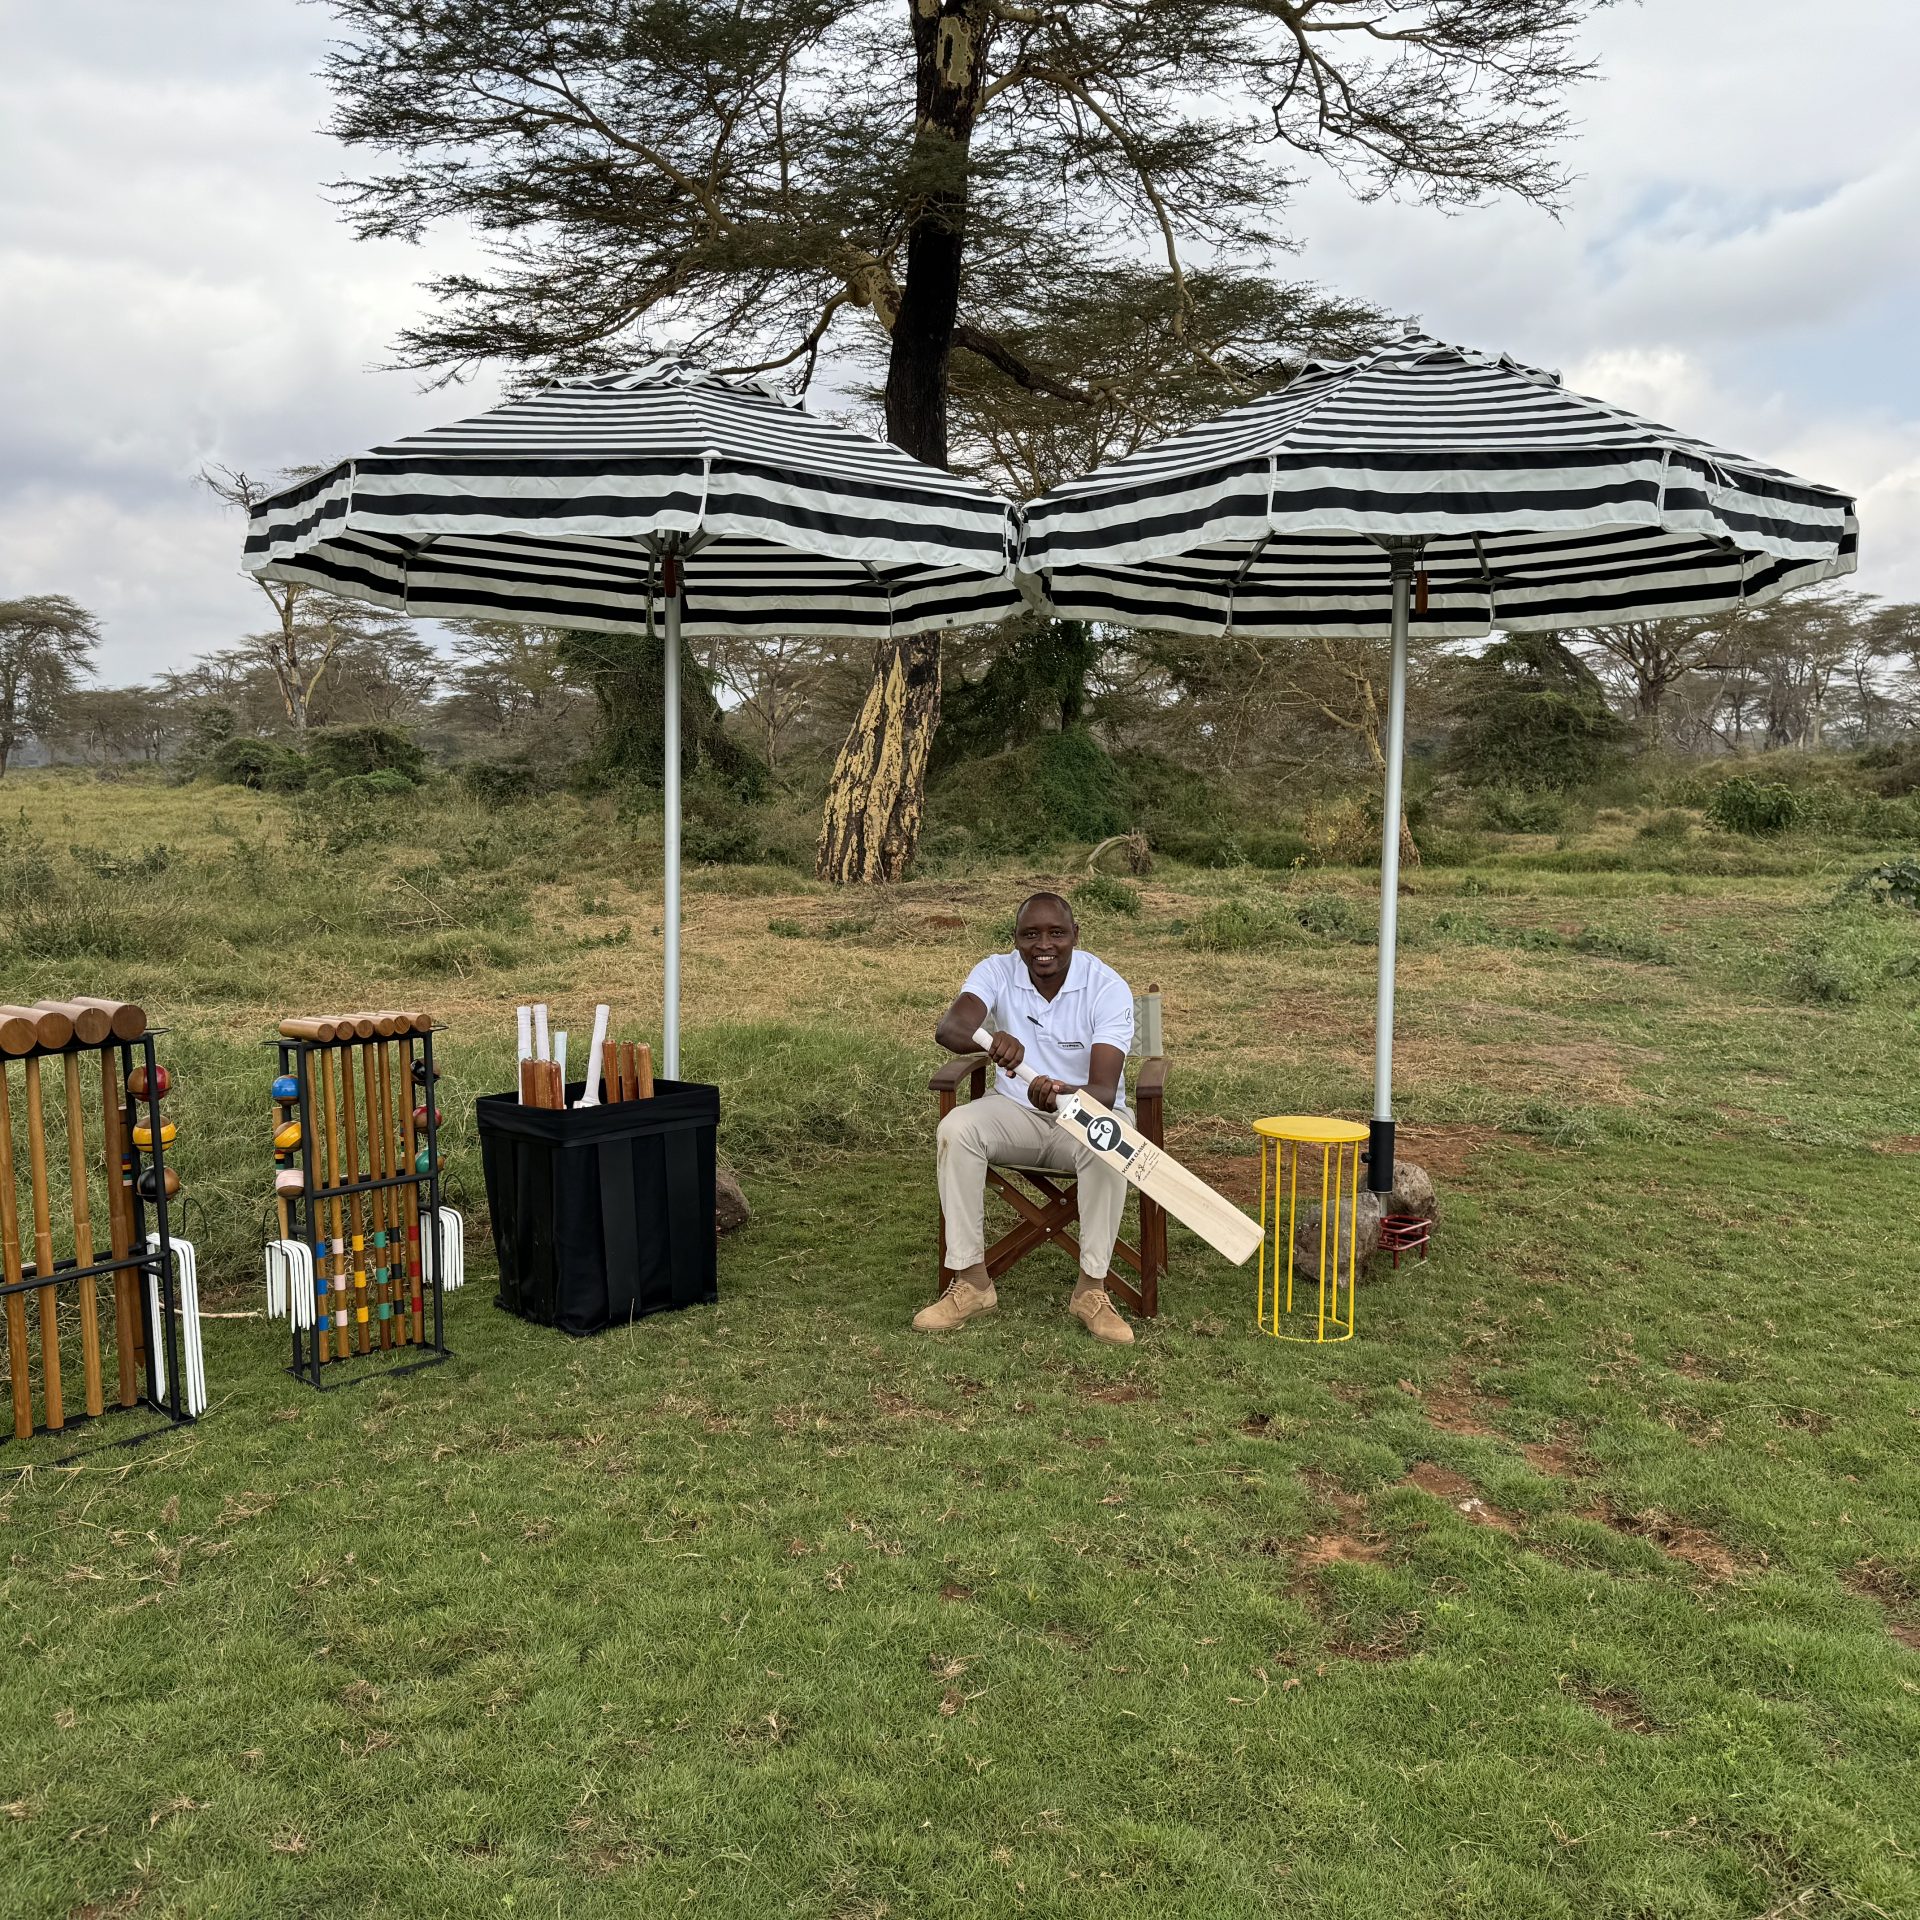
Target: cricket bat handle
x: 1023, y: 1073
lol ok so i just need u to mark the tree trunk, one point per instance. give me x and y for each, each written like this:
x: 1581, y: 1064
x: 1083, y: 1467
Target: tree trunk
x: 877, y: 797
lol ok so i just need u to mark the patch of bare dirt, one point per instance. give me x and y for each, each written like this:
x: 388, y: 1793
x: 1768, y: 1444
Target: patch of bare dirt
x: 944, y: 922
x: 1556, y: 1458
x: 1900, y: 1143
x: 1449, y: 1153
x: 1694, y: 1546
x: 954, y: 1591
x: 1892, y: 1589
x: 1454, y: 1407
x: 1122, y: 1393
x: 1350, y: 1538
x: 1459, y: 1493
x: 1617, y: 1706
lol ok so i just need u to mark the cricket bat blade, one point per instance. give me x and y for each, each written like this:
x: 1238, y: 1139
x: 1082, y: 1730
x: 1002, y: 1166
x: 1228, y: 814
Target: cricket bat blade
x: 1154, y: 1171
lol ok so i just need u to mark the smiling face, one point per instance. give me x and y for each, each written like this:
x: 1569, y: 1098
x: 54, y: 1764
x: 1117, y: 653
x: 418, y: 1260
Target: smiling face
x: 1044, y: 936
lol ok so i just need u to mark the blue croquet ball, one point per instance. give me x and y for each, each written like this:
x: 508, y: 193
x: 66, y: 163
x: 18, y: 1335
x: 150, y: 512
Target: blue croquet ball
x: 287, y: 1087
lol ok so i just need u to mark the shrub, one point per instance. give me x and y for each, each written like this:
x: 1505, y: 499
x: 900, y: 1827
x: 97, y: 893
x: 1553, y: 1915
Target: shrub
x: 1062, y: 786
x: 1105, y: 894
x: 717, y: 827
x: 1894, y: 883
x: 339, y: 753
x: 1745, y: 806
x: 1666, y: 829
x: 1240, y: 926
x: 1828, y: 972
x: 1516, y: 810
x: 264, y: 765
x: 1334, y: 917
x: 383, y: 783
x: 499, y: 783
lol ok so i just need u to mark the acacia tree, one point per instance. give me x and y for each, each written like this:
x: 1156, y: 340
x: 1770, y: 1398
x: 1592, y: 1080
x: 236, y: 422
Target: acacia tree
x: 1647, y: 659
x: 46, y: 644
x: 742, y: 176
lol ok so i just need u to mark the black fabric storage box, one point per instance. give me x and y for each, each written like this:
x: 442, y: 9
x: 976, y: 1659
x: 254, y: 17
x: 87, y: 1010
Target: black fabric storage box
x: 602, y: 1214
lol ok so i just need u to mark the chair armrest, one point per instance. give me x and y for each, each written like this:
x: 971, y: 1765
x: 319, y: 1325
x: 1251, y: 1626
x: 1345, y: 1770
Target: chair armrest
x: 1151, y: 1081
x: 948, y: 1078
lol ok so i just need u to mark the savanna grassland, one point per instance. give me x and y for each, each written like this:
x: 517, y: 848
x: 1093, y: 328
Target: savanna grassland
x: 1585, y: 1582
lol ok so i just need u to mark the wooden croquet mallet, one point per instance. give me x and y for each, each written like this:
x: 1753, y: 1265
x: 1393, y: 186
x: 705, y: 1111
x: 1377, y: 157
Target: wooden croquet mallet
x: 377, y: 1199
x: 399, y: 1321
x: 643, y: 1072
x: 412, y: 1200
x: 343, y: 1339
x: 356, y: 1224
x: 126, y: 1310
x: 17, y: 1352
x: 43, y: 1250
x: 83, y: 1233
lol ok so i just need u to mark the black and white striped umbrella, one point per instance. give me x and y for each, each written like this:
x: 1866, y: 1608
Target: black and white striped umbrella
x: 557, y: 510
x: 715, y: 504
x: 1515, y: 504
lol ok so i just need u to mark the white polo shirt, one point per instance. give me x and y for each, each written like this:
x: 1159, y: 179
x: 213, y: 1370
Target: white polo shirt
x: 1093, y: 1008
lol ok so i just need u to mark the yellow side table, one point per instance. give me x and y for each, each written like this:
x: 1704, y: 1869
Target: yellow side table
x: 1334, y: 1181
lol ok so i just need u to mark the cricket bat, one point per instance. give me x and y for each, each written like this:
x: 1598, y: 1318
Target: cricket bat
x: 1152, y: 1169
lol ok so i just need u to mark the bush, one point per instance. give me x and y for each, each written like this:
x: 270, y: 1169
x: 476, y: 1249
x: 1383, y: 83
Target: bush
x: 1624, y: 943
x: 499, y: 783
x: 1063, y: 786
x: 717, y: 827
x: 1828, y: 972
x: 1240, y: 926
x: 1105, y: 894
x: 339, y: 753
x: 1334, y: 917
x: 1894, y: 883
x: 383, y: 783
x: 1745, y: 806
x: 1516, y: 810
x: 1666, y: 829
x: 264, y: 765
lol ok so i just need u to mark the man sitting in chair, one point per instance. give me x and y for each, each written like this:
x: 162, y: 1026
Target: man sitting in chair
x: 1070, y: 1017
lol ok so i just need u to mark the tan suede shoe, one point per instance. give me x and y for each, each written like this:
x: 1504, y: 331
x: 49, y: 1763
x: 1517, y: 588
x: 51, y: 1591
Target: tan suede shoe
x: 1101, y: 1317
x: 956, y: 1307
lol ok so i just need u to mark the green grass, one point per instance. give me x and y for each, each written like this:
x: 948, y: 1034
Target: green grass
x: 778, y: 1608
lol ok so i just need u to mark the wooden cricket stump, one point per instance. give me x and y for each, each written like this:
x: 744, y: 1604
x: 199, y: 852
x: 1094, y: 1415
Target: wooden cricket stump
x: 89, y: 1116
x: 356, y: 1138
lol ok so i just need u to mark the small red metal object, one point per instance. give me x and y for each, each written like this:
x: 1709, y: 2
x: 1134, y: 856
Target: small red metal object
x: 1402, y: 1233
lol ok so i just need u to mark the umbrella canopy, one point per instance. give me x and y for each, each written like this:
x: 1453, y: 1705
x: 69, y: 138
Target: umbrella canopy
x: 556, y: 510
x: 1538, y: 508
x: 1520, y: 506
x: 716, y: 505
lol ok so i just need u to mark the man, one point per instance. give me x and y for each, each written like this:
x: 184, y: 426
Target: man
x: 1069, y: 1017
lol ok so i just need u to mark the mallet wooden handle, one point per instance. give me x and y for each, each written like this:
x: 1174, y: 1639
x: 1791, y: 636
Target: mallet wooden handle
x: 322, y: 1032
x: 83, y: 1234
x: 43, y: 1251
x: 120, y: 1226
x: 17, y: 1354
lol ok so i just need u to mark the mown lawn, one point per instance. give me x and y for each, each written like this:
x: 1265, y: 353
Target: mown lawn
x: 1585, y: 1582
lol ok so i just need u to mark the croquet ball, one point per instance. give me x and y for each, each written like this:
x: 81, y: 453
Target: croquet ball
x: 423, y: 1160
x: 137, y: 1083
x: 143, y: 1136
x: 420, y: 1073
x: 289, y: 1183
x: 286, y: 1138
x: 149, y: 1189
x: 420, y: 1117
x: 287, y: 1087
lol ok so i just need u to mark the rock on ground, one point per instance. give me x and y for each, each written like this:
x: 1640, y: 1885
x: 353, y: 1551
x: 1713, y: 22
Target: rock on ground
x: 730, y: 1207
x: 1412, y: 1194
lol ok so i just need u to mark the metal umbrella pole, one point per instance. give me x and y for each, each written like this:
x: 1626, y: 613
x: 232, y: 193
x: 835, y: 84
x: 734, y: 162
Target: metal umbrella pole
x: 670, y: 783
x: 1403, y: 555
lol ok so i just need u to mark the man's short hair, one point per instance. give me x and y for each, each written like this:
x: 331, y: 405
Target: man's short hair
x: 1056, y: 899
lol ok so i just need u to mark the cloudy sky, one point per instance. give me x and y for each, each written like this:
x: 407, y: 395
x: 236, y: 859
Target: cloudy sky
x: 1740, y: 258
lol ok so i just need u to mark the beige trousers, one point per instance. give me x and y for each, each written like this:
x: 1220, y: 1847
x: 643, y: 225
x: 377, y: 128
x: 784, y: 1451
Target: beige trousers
x: 994, y: 1131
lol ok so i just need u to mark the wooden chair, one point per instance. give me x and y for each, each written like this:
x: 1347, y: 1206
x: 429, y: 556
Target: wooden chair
x: 1047, y: 1201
